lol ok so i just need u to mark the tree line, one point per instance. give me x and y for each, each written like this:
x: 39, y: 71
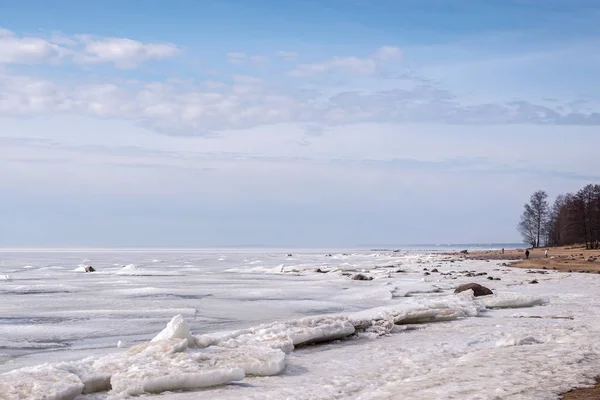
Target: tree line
x: 573, y: 218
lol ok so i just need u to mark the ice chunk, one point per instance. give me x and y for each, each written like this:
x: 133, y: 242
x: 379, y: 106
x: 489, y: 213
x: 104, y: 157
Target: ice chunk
x: 94, y: 379
x: 179, y: 373
x: 284, y: 335
x: 254, y: 360
x: 513, y: 300
x: 176, y: 328
x: 43, y: 382
x: 421, y: 311
x: 161, y: 365
x: 4, y: 278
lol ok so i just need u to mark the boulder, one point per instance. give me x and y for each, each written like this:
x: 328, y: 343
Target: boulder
x: 361, y: 277
x: 89, y: 268
x: 477, y: 289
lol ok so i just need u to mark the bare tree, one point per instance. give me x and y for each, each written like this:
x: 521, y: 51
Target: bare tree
x: 534, y: 218
x: 589, y: 200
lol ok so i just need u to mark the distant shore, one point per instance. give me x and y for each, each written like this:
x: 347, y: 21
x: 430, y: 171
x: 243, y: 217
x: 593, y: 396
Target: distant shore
x: 566, y: 258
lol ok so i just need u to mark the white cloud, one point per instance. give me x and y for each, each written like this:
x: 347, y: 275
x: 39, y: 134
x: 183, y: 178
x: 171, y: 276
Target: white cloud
x: 28, y: 50
x: 82, y: 49
x: 245, y: 79
x: 243, y: 58
x: 386, y: 53
x: 287, y: 55
x: 183, y: 108
x: 122, y: 52
x: 353, y: 65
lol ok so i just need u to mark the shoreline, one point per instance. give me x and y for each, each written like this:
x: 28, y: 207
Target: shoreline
x: 564, y: 259
x: 583, y: 393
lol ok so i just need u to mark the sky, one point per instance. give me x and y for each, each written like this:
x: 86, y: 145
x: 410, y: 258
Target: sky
x: 296, y: 123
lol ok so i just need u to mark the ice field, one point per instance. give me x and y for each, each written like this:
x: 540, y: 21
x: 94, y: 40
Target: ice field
x: 281, y: 324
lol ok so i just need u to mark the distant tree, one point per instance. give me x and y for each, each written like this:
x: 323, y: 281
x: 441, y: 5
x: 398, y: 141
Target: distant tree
x: 534, y: 218
x: 588, y: 199
x: 555, y: 225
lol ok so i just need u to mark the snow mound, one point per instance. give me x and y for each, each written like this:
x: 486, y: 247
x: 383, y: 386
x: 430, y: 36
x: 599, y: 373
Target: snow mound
x: 134, y: 270
x: 4, y: 278
x: 130, y: 269
x: 513, y: 300
x: 81, y: 268
x: 517, y: 341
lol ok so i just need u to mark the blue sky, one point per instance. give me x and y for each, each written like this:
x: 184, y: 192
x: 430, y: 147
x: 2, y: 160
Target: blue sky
x: 298, y: 123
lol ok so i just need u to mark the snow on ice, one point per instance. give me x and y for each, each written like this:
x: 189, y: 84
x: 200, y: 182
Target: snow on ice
x: 249, y: 316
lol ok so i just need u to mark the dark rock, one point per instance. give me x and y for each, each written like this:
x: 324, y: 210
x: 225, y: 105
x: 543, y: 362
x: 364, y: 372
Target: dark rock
x: 497, y: 279
x: 328, y: 255
x: 435, y: 270
x: 464, y: 252
x: 426, y: 273
x: 490, y: 278
x: 361, y: 277
x: 319, y: 270
x: 477, y: 289
x: 534, y: 281
x: 289, y: 255
x: 425, y: 269
x: 89, y: 268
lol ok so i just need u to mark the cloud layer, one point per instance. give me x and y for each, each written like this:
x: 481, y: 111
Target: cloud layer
x: 338, y: 90
x: 81, y: 49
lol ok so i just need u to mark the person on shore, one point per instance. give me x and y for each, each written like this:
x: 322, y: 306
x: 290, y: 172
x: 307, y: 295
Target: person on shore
x: 546, y: 253
x: 527, y: 254
x: 503, y: 250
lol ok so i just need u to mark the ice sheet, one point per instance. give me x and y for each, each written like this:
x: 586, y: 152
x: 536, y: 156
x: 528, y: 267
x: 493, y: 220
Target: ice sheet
x: 404, y: 334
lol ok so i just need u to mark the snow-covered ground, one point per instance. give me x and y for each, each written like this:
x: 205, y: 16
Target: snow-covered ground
x: 256, y: 324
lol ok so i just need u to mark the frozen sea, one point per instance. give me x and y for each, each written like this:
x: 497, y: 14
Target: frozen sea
x: 289, y: 324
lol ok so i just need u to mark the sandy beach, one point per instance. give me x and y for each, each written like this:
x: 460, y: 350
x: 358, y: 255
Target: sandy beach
x: 592, y: 393
x: 567, y: 258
